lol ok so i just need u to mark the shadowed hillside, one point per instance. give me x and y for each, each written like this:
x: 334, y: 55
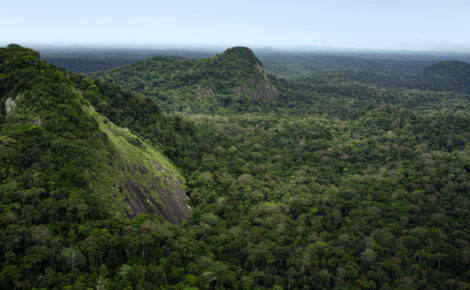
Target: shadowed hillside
x: 232, y: 78
x: 50, y: 131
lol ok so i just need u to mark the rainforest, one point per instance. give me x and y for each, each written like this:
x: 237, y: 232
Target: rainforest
x: 233, y: 170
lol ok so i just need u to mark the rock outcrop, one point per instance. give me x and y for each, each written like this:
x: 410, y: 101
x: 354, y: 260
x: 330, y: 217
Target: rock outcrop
x: 210, y: 84
x: 10, y: 104
x: 258, y: 86
x: 146, y: 180
x: 171, y: 203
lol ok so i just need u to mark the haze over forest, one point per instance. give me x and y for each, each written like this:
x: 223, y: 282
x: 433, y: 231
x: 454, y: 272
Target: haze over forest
x: 431, y: 25
x: 235, y: 144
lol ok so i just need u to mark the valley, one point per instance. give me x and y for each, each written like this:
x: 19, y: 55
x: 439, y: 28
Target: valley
x: 219, y: 171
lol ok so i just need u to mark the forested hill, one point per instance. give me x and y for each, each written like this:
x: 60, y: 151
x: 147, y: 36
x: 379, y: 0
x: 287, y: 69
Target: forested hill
x: 66, y: 170
x: 344, y: 181
x: 235, y: 82
x: 232, y: 77
x: 448, y: 75
x: 50, y: 130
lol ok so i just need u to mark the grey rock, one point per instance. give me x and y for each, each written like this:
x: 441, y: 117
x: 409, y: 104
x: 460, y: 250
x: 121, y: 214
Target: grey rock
x: 10, y: 106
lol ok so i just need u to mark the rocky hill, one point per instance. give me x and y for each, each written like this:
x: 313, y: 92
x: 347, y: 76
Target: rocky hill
x: 230, y: 78
x: 55, y: 147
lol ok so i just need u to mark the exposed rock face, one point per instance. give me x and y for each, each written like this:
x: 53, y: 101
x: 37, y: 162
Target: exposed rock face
x: 264, y: 89
x: 259, y: 86
x: 171, y: 207
x: 129, y: 175
x: 172, y: 204
x: 10, y: 106
x: 211, y: 81
x: 154, y: 191
x: 144, y: 180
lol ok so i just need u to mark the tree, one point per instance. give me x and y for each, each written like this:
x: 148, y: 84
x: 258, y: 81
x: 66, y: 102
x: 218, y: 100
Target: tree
x: 73, y: 258
x: 368, y: 256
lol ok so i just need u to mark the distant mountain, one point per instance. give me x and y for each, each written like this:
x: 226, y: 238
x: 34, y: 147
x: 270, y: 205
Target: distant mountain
x: 348, y: 180
x: 448, y: 75
x: 233, y: 77
x: 57, y: 149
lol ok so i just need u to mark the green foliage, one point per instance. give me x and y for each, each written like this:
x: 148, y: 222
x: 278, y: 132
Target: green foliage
x: 348, y: 180
x: 173, y: 135
x: 223, y: 82
x: 448, y: 75
x: 61, y: 178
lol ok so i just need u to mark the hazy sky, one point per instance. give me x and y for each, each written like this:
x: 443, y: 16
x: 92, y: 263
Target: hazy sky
x: 384, y: 24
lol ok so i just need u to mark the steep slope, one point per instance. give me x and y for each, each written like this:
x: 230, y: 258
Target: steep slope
x: 235, y: 76
x: 373, y: 199
x: 148, y: 183
x: 56, y: 146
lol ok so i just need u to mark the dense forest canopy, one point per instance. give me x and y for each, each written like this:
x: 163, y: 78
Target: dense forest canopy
x: 349, y: 178
x: 207, y: 85
x: 449, y: 75
x: 285, y: 63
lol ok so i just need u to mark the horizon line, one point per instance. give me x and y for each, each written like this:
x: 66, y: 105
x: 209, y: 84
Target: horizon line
x: 215, y: 46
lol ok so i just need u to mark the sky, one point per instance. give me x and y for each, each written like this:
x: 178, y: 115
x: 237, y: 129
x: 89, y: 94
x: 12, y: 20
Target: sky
x: 428, y: 25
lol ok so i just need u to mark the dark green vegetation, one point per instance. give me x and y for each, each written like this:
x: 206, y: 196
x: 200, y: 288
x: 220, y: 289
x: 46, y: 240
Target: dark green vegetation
x: 347, y: 179
x: 66, y: 169
x: 295, y: 64
x: 449, y: 75
x: 95, y: 59
x: 232, y: 80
